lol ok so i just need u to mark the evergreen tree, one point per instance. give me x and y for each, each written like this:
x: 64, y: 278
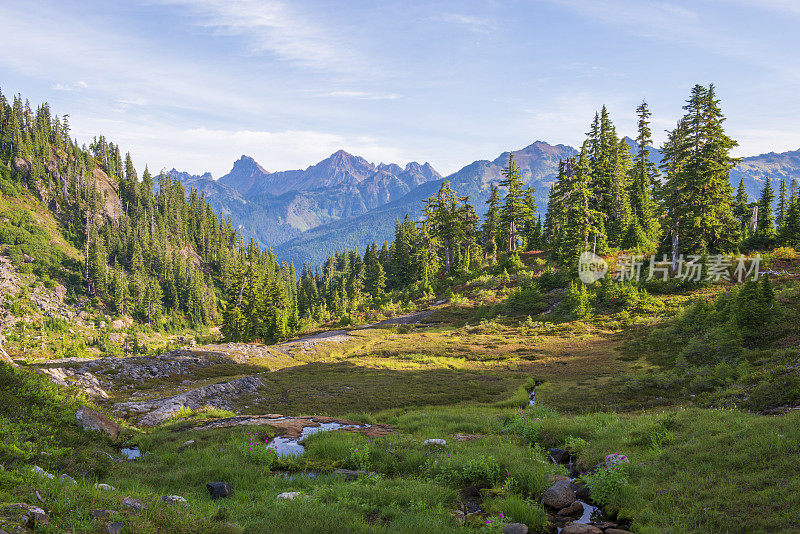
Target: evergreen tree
x: 766, y: 218
x: 698, y: 198
x: 491, y: 224
x: 644, y: 174
x: 515, y: 211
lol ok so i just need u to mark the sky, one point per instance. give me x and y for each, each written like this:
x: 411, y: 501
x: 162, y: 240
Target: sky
x: 196, y: 84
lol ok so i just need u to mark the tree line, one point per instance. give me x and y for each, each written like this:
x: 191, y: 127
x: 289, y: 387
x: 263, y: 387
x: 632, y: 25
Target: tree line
x: 168, y: 255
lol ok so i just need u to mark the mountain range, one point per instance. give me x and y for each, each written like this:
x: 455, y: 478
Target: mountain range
x: 344, y: 201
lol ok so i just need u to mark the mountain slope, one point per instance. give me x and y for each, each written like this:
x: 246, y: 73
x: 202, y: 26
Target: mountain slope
x: 277, y: 207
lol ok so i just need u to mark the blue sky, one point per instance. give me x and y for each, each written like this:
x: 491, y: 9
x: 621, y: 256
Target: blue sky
x: 195, y: 84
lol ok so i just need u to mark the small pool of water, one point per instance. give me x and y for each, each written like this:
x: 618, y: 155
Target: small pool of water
x: 131, y: 453
x: 288, y: 447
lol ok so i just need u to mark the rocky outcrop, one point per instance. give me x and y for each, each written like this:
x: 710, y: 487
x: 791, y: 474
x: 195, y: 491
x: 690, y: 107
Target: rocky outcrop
x: 86, y: 381
x: 4, y: 357
x: 219, y: 395
x: 92, y: 421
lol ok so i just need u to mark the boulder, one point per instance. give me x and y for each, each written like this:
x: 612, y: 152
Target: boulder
x: 515, y: 528
x: 91, y: 420
x: 559, y: 456
x: 579, y: 528
x: 117, y: 324
x: 438, y: 442
x: 574, y: 509
x: 133, y: 504
x: 559, y: 495
x: 289, y: 495
x: 219, y: 490
x: 582, y: 491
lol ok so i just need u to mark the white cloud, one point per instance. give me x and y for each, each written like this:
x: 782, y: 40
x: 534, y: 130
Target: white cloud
x: 77, y: 86
x: 361, y: 95
x: 470, y: 22
x: 273, y: 26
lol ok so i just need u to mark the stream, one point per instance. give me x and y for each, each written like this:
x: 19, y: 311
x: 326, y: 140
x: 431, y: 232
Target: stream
x: 289, y: 447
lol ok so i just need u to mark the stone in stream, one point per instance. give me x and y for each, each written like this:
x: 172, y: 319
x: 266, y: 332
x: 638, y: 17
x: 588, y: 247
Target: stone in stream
x: 579, y: 528
x: 219, y: 490
x: 582, y: 491
x: 559, y: 456
x: 91, y: 420
x: 574, y: 509
x: 515, y: 528
x: 559, y: 495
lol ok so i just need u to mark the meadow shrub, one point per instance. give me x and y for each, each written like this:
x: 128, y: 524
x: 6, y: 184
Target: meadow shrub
x: 608, y: 484
x: 526, y: 300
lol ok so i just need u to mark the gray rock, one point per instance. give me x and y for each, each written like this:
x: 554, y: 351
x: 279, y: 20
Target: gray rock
x: 68, y: 479
x: 173, y: 499
x: 574, y: 509
x: 104, y: 487
x: 559, y: 495
x: 515, y: 528
x: 133, y: 504
x: 559, y: 456
x: 439, y: 442
x: 289, y: 495
x: 219, y: 490
x: 41, y: 472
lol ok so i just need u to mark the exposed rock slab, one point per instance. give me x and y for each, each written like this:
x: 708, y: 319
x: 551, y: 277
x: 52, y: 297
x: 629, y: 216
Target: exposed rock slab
x: 217, y: 395
x: 292, y: 427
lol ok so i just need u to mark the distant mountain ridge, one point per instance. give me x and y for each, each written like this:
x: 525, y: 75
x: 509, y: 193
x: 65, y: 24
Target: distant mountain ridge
x: 344, y: 201
x: 274, y: 207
